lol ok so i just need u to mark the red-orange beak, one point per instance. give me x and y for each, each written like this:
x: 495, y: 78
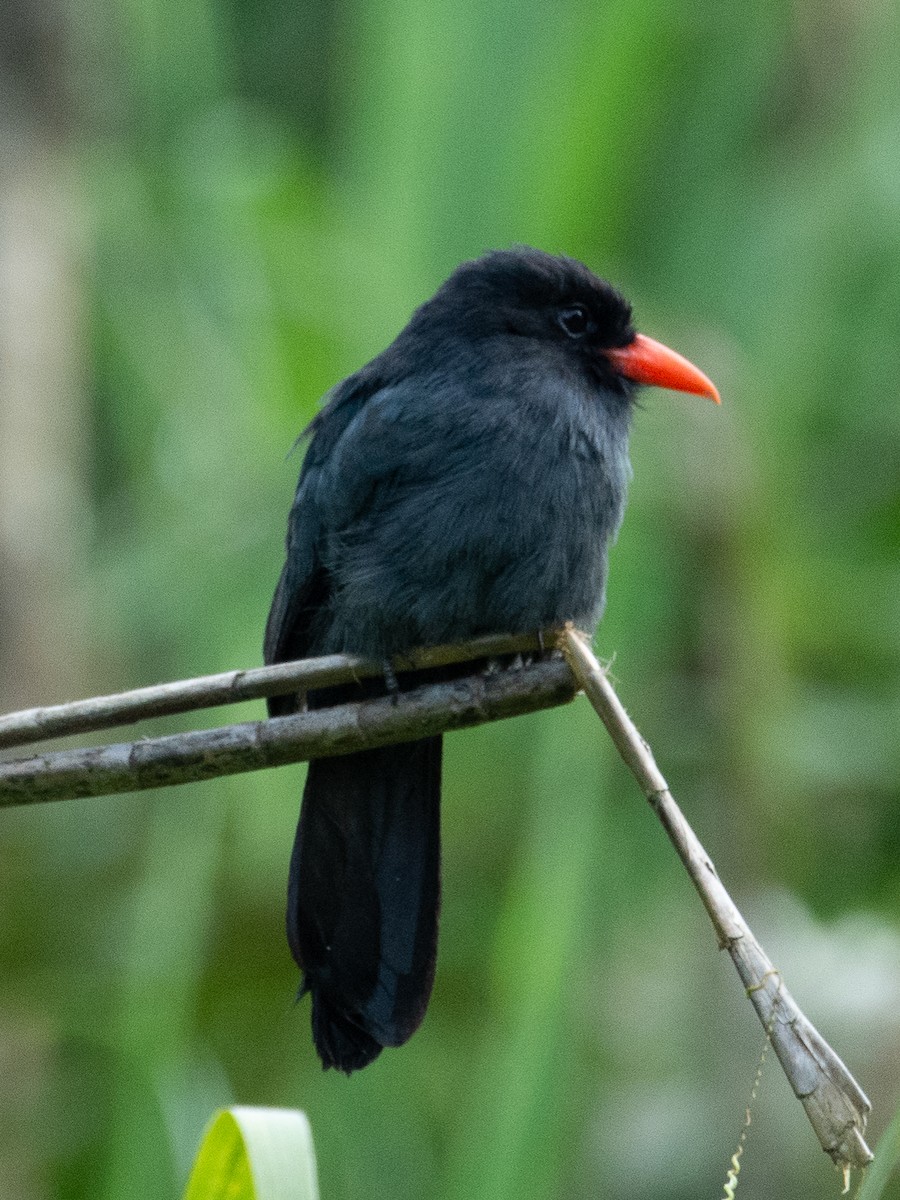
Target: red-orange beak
x: 647, y: 361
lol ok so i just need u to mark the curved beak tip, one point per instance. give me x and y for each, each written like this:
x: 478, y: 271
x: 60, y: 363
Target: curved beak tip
x: 647, y: 361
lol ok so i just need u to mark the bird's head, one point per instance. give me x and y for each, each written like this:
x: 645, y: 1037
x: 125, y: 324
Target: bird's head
x: 558, y: 302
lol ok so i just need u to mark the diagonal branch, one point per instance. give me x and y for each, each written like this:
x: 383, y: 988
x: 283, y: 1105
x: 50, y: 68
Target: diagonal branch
x: 835, y: 1104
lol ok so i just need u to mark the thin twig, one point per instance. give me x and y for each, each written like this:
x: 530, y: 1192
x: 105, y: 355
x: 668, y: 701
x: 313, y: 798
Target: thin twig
x: 320, y: 733
x: 834, y: 1102
x: 209, y: 691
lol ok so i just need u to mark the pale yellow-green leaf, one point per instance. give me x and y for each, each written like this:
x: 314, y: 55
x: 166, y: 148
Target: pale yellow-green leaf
x: 255, y: 1154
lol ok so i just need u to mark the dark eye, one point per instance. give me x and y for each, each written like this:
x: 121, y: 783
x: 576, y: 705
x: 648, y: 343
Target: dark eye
x: 575, y: 320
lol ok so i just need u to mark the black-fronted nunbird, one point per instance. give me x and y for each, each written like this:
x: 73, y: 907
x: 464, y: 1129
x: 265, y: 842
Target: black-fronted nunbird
x: 468, y: 480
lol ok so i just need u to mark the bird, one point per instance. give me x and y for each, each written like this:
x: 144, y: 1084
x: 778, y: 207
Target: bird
x: 468, y: 480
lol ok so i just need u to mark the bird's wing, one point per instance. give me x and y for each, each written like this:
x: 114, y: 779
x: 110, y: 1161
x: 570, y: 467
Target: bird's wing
x: 303, y: 586
x: 368, y: 445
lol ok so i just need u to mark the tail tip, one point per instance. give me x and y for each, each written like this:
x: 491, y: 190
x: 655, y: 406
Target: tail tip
x: 341, y: 1043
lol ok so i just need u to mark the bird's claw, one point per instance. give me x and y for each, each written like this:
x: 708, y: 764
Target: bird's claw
x: 390, y: 680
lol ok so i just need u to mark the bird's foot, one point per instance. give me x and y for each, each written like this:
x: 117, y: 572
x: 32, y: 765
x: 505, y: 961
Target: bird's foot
x: 507, y: 662
x: 390, y: 680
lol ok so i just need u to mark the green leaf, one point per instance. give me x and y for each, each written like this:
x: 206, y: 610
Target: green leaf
x: 255, y: 1154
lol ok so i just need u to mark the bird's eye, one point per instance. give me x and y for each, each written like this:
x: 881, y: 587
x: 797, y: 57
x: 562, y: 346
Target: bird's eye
x: 575, y: 320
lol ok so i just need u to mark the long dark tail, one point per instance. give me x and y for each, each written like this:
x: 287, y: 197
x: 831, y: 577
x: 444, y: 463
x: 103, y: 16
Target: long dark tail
x: 364, y: 896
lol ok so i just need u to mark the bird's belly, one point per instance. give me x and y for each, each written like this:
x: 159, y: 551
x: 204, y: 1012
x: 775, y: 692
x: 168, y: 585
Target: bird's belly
x: 503, y: 550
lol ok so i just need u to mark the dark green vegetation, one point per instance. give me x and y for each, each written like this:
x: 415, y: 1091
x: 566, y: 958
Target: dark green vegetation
x: 241, y: 203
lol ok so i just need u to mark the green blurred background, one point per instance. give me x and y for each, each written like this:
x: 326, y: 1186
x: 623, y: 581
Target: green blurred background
x: 209, y: 213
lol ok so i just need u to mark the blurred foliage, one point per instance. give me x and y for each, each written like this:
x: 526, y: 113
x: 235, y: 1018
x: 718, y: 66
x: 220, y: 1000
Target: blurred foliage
x: 256, y: 194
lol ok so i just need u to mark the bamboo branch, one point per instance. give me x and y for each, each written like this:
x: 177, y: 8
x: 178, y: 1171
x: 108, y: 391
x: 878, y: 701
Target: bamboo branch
x: 320, y: 733
x: 835, y: 1104
x: 209, y: 691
